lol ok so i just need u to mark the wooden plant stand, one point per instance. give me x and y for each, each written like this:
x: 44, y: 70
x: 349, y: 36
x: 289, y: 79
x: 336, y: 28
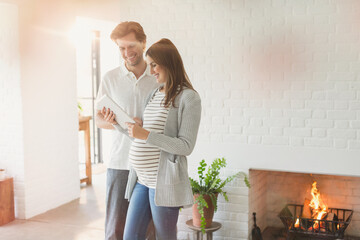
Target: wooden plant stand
x: 198, y: 235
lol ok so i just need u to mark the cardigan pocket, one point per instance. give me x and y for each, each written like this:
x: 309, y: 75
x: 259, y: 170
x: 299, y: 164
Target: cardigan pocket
x: 172, y: 171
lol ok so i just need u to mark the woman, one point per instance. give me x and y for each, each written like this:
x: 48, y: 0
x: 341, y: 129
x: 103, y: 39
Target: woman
x: 158, y: 181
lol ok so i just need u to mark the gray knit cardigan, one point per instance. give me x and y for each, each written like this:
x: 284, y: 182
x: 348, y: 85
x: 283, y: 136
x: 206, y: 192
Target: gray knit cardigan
x: 181, y: 128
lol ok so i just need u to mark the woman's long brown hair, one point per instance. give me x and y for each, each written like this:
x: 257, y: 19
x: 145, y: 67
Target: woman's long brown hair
x: 165, y: 54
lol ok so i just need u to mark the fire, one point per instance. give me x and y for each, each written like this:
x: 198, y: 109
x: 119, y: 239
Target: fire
x: 316, y: 204
x: 318, y: 208
x: 297, y: 224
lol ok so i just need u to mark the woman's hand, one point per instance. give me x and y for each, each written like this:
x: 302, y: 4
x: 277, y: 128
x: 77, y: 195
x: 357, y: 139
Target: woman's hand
x: 139, y: 121
x: 136, y: 131
x: 108, y: 115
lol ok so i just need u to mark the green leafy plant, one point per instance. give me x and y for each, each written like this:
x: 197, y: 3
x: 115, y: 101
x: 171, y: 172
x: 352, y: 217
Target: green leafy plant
x: 210, y: 183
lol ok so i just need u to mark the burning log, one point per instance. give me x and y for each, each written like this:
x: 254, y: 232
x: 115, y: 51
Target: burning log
x: 330, y: 217
x: 314, y: 218
x: 338, y: 224
x: 315, y: 215
x: 306, y: 212
x: 318, y: 208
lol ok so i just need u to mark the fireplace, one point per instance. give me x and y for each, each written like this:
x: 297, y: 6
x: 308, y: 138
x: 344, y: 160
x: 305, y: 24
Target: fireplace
x: 332, y: 225
x: 278, y: 198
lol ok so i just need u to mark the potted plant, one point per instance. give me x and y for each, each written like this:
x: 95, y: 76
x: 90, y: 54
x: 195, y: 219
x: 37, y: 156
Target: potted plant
x: 207, y: 189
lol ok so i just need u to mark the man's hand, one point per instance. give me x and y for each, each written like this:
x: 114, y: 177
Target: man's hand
x: 136, y: 131
x: 108, y: 116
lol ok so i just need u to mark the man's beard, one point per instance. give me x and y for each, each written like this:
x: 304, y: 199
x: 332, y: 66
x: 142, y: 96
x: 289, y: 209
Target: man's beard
x: 135, y: 63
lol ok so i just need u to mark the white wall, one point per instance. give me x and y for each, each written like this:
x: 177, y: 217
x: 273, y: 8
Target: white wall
x: 39, y: 140
x: 279, y: 82
x: 11, y: 121
x: 49, y: 101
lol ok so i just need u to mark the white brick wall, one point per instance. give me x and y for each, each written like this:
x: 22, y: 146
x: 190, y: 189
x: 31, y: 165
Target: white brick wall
x: 11, y: 122
x: 283, y: 74
x: 276, y: 73
x: 263, y: 57
x: 233, y: 215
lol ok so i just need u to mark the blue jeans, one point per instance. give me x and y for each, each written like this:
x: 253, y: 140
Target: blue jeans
x: 141, y: 208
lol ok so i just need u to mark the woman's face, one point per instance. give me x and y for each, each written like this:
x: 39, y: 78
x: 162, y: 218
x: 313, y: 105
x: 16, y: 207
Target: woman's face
x: 156, y: 70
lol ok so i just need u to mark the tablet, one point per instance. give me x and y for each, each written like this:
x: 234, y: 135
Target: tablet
x: 120, y: 115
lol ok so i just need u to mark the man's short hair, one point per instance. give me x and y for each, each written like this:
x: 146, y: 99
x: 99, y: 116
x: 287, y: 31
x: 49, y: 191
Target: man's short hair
x: 124, y: 28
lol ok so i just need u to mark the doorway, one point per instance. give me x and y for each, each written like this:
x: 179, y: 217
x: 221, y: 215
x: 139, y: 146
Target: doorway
x: 95, y: 55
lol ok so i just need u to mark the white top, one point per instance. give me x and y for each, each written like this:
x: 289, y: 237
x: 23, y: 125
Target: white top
x: 144, y: 157
x: 130, y: 94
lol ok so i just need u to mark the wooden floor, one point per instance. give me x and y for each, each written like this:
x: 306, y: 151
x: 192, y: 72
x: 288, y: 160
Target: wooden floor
x: 272, y: 233
x: 81, y: 219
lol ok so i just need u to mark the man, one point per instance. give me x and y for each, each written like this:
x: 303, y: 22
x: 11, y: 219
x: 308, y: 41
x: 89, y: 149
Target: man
x: 128, y: 85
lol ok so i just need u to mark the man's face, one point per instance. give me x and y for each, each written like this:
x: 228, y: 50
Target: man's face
x: 131, y: 49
